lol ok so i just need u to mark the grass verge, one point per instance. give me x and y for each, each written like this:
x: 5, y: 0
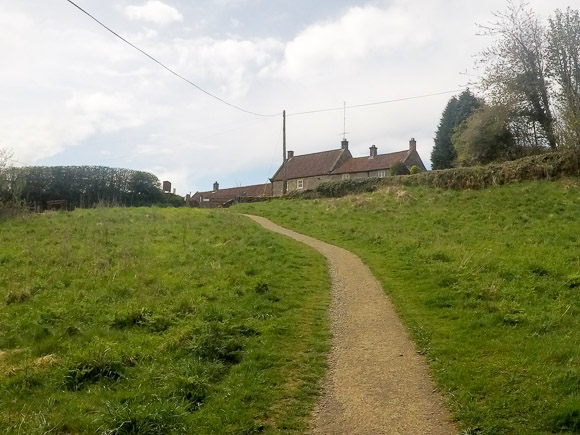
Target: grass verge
x: 487, y: 282
x: 157, y: 321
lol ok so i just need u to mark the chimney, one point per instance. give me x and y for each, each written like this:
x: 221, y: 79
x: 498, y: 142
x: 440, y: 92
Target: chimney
x: 413, y: 145
x: 373, y: 151
x: 216, y: 186
x: 344, y: 144
x: 290, y: 154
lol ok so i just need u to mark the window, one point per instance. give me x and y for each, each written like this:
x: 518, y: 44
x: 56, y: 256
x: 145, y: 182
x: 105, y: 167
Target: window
x: 382, y: 174
x: 345, y: 176
x: 299, y: 184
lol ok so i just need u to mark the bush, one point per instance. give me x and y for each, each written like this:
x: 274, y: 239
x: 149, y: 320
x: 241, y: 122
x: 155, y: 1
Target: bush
x: 335, y: 189
x: 399, y: 168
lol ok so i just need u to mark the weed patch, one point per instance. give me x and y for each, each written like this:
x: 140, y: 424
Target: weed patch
x: 90, y: 372
x: 15, y: 297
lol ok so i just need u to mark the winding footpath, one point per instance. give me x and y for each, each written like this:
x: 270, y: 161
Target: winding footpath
x: 377, y: 383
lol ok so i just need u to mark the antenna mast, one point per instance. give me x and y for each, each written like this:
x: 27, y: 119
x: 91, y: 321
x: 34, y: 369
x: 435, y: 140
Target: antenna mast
x: 344, y: 129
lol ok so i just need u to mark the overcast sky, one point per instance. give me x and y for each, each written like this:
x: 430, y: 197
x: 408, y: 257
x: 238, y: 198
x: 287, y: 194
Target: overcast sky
x: 73, y: 94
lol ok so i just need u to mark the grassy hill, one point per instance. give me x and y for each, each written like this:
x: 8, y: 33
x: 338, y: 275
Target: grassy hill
x: 487, y: 282
x: 157, y: 321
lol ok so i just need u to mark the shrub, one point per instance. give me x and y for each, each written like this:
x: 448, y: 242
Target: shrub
x: 414, y: 170
x: 335, y: 189
x: 399, y: 168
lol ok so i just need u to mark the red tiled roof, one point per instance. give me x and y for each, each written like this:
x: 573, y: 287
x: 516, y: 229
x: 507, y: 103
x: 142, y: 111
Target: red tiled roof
x: 309, y: 165
x: 224, y: 195
x: 366, y: 164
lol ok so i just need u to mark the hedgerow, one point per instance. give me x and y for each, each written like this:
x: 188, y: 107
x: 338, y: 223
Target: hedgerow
x: 548, y: 166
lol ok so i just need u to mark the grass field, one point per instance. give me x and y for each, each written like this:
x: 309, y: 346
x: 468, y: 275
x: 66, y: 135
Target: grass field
x: 488, y: 284
x: 157, y: 321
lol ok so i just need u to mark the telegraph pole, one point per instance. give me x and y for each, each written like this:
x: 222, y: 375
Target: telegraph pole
x: 284, y: 160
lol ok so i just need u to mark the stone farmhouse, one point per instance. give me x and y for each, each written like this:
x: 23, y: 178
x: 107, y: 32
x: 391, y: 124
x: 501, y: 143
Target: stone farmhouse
x: 225, y: 197
x: 309, y: 170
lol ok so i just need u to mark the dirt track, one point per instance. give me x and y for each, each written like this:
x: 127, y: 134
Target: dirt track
x: 377, y: 383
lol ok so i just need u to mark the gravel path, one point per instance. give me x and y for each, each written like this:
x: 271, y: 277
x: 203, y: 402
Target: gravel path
x: 377, y: 383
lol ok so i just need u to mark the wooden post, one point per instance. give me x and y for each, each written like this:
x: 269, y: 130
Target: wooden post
x: 284, y: 159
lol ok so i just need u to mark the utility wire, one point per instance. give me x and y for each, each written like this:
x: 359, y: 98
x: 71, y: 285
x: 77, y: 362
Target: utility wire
x: 238, y: 107
x: 169, y: 69
x: 374, y: 104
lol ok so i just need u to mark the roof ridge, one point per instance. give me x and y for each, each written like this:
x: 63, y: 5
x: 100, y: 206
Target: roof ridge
x: 318, y: 152
x: 381, y: 155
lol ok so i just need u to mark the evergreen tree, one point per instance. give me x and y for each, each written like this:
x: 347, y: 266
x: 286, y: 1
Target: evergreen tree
x: 456, y: 112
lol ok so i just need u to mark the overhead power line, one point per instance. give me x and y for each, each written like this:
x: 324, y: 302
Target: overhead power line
x: 375, y: 103
x: 169, y: 69
x: 221, y: 100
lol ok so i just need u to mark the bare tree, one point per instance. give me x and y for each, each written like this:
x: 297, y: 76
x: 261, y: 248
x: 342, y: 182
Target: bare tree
x: 515, y: 69
x: 5, y: 156
x: 563, y: 57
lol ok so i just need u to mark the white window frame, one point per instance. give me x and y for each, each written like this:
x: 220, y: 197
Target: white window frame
x: 300, y: 184
x: 382, y: 173
x: 346, y: 176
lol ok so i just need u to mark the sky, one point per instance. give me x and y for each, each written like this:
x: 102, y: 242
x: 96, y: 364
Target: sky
x: 71, y: 93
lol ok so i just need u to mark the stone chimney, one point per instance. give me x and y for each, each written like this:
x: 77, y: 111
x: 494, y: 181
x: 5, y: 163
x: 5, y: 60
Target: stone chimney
x: 413, y: 145
x: 216, y: 186
x: 290, y: 154
x: 344, y: 144
x: 373, y: 151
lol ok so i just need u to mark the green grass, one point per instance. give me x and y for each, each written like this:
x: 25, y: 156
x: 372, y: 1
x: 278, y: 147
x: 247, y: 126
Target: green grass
x: 488, y: 284
x: 157, y: 321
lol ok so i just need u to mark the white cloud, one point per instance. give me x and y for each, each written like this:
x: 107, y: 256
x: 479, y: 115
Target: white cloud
x: 106, y: 113
x: 49, y: 132
x: 360, y: 34
x: 154, y: 11
x: 230, y: 63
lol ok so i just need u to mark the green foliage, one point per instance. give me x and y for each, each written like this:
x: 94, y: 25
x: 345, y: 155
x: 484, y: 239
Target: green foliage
x: 90, y: 372
x: 414, y: 170
x: 399, y: 168
x: 88, y: 186
x: 335, y: 189
x: 456, y: 111
x: 148, y: 320
x: 484, y: 281
x: 485, y: 137
x: 522, y: 66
